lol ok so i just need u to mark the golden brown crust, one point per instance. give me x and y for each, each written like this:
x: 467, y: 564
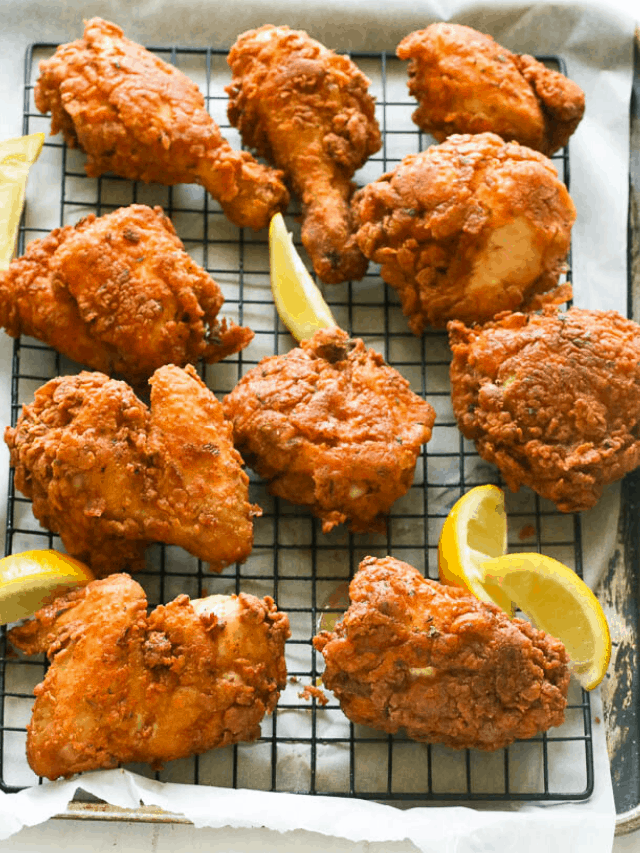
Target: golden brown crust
x: 413, y: 654
x: 118, y: 294
x: 331, y: 426
x: 552, y: 398
x: 308, y: 111
x: 124, y: 686
x: 465, y: 82
x: 110, y: 475
x: 143, y: 119
x: 466, y: 229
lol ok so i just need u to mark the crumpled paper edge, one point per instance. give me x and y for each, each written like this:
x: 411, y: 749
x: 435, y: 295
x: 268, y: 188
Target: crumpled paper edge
x: 432, y: 829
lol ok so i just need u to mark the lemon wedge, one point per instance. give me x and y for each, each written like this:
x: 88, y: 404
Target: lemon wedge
x: 31, y: 579
x: 299, y: 302
x: 557, y: 601
x: 474, y: 531
x: 16, y: 158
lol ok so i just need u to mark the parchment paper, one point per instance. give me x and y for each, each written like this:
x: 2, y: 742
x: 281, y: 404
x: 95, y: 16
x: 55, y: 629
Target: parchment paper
x: 597, y: 46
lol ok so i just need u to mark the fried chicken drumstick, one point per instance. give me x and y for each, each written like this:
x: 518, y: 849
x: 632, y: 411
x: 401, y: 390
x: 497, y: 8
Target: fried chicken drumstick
x: 413, y: 654
x: 118, y: 294
x: 308, y: 111
x: 125, y: 686
x: 552, y: 399
x: 110, y: 475
x: 143, y: 119
x: 465, y: 82
x: 466, y: 229
x: 332, y: 427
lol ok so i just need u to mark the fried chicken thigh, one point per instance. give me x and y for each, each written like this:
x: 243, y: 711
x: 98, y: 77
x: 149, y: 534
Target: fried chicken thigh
x: 466, y: 229
x: 125, y: 686
x: 413, y: 654
x: 110, y: 475
x: 143, y: 119
x: 465, y: 82
x: 332, y: 427
x: 308, y: 111
x: 552, y: 399
x: 118, y: 294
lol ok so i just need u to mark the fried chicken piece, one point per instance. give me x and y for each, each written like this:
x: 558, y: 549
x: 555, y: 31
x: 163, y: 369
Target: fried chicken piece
x: 552, y: 399
x: 118, y: 294
x: 413, y: 654
x: 110, y: 475
x: 465, y: 82
x: 466, y: 229
x: 125, y: 686
x: 308, y: 111
x: 143, y: 119
x: 332, y: 427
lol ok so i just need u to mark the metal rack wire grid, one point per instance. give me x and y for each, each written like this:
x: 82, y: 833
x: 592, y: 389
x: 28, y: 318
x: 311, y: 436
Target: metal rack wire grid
x: 304, y: 746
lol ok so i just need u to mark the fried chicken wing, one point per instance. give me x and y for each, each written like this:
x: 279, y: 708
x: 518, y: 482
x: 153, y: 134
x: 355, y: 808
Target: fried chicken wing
x: 308, y: 111
x: 118, y: 294
x: 552, y: 399
x: 143, y: 119
x: 110, y: 475
x: 413, y: 654
x: 466, y: 229
x: 125, y: 686
x: 465, y: 82
x: 332, y: 427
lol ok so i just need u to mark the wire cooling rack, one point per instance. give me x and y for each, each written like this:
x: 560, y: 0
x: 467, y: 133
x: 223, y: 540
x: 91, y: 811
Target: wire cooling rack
x: 305, y: 747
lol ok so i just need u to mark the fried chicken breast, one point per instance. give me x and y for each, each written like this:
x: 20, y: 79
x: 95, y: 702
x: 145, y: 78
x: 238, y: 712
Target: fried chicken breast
x: 465, y: 82
x: 333, y: 427
x: 552, y: 399
x: 413, y: 654
x: 118, y: 294
x: 466, y: 229
x: 308, y: 111
x: 125, y: 686
x: 143, y: 119
x: 111, y: 475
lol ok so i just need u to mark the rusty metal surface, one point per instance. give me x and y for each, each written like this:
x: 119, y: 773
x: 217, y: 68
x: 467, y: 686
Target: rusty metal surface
x: 104, y: 811
x: 620, y: 588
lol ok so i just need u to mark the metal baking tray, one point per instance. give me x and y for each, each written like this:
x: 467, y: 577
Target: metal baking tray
x: 620, y: 587
x: 290, y: 552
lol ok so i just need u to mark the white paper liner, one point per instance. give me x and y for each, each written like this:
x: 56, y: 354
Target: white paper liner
x: 587, y: 826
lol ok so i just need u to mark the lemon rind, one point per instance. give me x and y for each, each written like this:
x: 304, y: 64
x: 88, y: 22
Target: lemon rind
x: 286, y: 266
x: 31, y: 579
x: 461, y: 568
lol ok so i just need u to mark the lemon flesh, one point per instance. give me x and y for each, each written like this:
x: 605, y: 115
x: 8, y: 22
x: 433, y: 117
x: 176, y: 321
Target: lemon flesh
x: 558, y: 602
x: 300, y: 304
x: 475, y: 530
x: 31, y: 579
x: 16, y: 158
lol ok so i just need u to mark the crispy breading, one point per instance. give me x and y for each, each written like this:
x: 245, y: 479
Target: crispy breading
x: 118, y: 294
x: 333, y: 427
x: 140, y: 117
x: 552, y: 399
x: 308, y: 111
x: 465, y: 82
x: 414, y: 654
x: 125, y: 686
x: 111, y: 475
x: 466, y: 229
